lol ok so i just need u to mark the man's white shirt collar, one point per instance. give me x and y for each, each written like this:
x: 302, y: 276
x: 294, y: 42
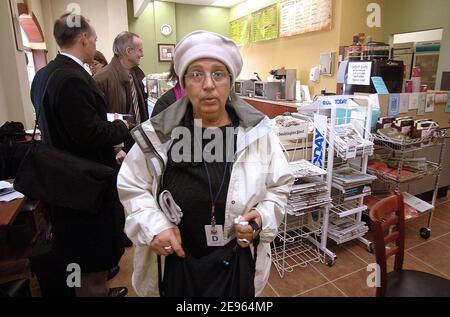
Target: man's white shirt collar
x: 76, y: 59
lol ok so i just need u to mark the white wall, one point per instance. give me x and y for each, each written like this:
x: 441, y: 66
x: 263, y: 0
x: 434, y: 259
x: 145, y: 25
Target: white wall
x: 108, y: 17
x: 3, y: 107
x: 15, y: 101
x: 38, y: 12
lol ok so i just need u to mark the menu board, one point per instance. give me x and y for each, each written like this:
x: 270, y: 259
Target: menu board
x: 304, y: 16
x: 265, y: 24
x: 240, y: 31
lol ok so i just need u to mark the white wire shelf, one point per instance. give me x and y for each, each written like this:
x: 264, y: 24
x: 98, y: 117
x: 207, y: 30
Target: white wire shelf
x: 348, y: 209
x: 296, y: 211
x: 411, y: 144
x: 345, y: 229
x: 296, y: 254
x: 300, y: 227
x: 405, y: 176
x: 341, y: 198
x: 342, y: 240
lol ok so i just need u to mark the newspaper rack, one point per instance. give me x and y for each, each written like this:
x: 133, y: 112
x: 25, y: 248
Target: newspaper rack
x: 348, y: 199
x: 302, y: 235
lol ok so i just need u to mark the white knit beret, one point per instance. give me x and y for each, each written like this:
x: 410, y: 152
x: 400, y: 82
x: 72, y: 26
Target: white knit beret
x: 203, y: 44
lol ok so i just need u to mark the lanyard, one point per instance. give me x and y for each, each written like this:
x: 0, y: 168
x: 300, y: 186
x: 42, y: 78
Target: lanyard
x: 216, y: 198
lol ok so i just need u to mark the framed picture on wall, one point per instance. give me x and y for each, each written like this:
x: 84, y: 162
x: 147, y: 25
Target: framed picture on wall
x: 16, y: 25
x: 165, y: 52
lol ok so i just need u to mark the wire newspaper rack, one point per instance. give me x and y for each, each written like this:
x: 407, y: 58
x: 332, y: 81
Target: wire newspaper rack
x: 349, y: 144
x: 300, y: 237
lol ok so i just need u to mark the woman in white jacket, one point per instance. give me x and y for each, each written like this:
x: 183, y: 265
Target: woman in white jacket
x: 224, y: 167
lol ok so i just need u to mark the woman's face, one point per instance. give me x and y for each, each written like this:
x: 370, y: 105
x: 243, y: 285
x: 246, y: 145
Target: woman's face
x: 95, y: 67
x: 208, y: 85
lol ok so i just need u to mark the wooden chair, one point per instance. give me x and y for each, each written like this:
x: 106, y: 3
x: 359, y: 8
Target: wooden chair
x: 388, y: 225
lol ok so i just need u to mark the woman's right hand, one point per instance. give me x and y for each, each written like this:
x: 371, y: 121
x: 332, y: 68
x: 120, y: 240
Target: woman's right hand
x: 167, y: 243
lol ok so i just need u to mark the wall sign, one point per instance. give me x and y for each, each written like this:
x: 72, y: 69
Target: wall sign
x: 240, y: 31
x: 304, y: 16
x: 265, y: 24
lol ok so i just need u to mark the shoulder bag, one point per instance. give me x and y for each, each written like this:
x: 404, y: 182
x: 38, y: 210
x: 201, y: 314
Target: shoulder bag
x: 60, y: 178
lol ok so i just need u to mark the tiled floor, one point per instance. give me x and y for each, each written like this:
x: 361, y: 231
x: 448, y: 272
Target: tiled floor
x: 349, y: 274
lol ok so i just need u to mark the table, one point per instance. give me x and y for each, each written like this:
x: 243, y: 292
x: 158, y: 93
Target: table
x: 9, y: 211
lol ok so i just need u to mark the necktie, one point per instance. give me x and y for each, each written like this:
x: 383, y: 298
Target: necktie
x: 134, y: 99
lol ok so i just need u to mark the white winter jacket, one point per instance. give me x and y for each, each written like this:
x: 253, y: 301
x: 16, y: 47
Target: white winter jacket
x: 261, y: 179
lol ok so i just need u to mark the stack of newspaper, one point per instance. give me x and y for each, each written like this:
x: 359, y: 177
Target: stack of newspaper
x: 7, y: 192
x: 349, y: 143
x: 304, y: 168
x: 346, y: 178
x: 307, y: 195
x: 345, y: 229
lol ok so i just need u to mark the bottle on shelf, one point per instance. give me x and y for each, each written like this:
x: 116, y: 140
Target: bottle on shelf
x: 355, y: 50
x: 416, y: 80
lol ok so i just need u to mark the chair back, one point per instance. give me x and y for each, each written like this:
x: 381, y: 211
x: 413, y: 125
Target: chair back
x: 388, y: 226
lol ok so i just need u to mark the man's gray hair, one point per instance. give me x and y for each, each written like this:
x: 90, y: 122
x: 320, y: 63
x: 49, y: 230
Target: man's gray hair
x: 123, y: 41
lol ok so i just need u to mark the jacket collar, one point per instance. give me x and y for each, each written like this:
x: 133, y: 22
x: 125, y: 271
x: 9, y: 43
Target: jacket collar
x: 166, y: 121
x: 121, y: 71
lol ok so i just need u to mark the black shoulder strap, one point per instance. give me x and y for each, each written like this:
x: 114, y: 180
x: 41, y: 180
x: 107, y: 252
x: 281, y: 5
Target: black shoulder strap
x: 41, y: 104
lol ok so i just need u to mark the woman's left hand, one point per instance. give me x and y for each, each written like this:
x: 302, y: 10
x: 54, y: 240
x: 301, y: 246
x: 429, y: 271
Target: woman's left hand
x: 246, y: 233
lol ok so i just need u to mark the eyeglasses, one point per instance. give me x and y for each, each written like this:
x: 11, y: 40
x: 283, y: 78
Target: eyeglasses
x: 219, y: 77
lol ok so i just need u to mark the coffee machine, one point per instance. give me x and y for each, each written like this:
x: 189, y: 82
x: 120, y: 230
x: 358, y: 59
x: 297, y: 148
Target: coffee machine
x: 288, y: 80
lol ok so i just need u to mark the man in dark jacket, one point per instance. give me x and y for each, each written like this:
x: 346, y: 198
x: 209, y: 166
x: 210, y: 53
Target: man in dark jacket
x: 74, y: 119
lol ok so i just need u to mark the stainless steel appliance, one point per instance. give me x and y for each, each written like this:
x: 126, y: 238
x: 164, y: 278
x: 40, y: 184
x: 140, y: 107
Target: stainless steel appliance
x: 243, y: 87
x: 158, y: 87
x: 288, y: 80
x: 267, y: 90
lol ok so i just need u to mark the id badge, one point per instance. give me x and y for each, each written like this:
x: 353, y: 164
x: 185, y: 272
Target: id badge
x: 214, y: 239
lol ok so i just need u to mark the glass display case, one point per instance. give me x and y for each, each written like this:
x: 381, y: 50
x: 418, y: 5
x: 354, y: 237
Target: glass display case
x: 157, y: 87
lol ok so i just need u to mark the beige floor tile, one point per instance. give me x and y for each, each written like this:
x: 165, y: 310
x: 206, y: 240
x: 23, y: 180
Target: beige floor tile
x: 268, y: 292
x: 345, y: 264
x: 359, y: 249
x: 297, y: 282
x: 413, y: 263
x: 328, y: 290
x: 445, y: 239
x: 441, y: 201
x: 355, y: 285
x: 412, y: 236
x: 442, y: 212
x: 436, y: 254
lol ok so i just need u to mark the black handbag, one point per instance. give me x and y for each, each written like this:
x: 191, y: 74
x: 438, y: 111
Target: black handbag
x: 227, y: 272
x: 60, y: 178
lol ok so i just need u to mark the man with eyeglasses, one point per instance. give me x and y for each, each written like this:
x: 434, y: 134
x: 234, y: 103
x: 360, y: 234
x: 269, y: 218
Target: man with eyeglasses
x: 121, y: 82
x: 232, y: 194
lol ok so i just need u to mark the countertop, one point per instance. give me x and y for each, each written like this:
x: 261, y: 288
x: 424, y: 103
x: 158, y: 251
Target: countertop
x: 292, y: 104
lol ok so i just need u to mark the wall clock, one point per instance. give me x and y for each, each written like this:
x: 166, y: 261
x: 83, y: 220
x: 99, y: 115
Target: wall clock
x: 166, y: 30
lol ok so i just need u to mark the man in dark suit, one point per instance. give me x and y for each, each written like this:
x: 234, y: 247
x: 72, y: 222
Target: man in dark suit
x: 74, y: 119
